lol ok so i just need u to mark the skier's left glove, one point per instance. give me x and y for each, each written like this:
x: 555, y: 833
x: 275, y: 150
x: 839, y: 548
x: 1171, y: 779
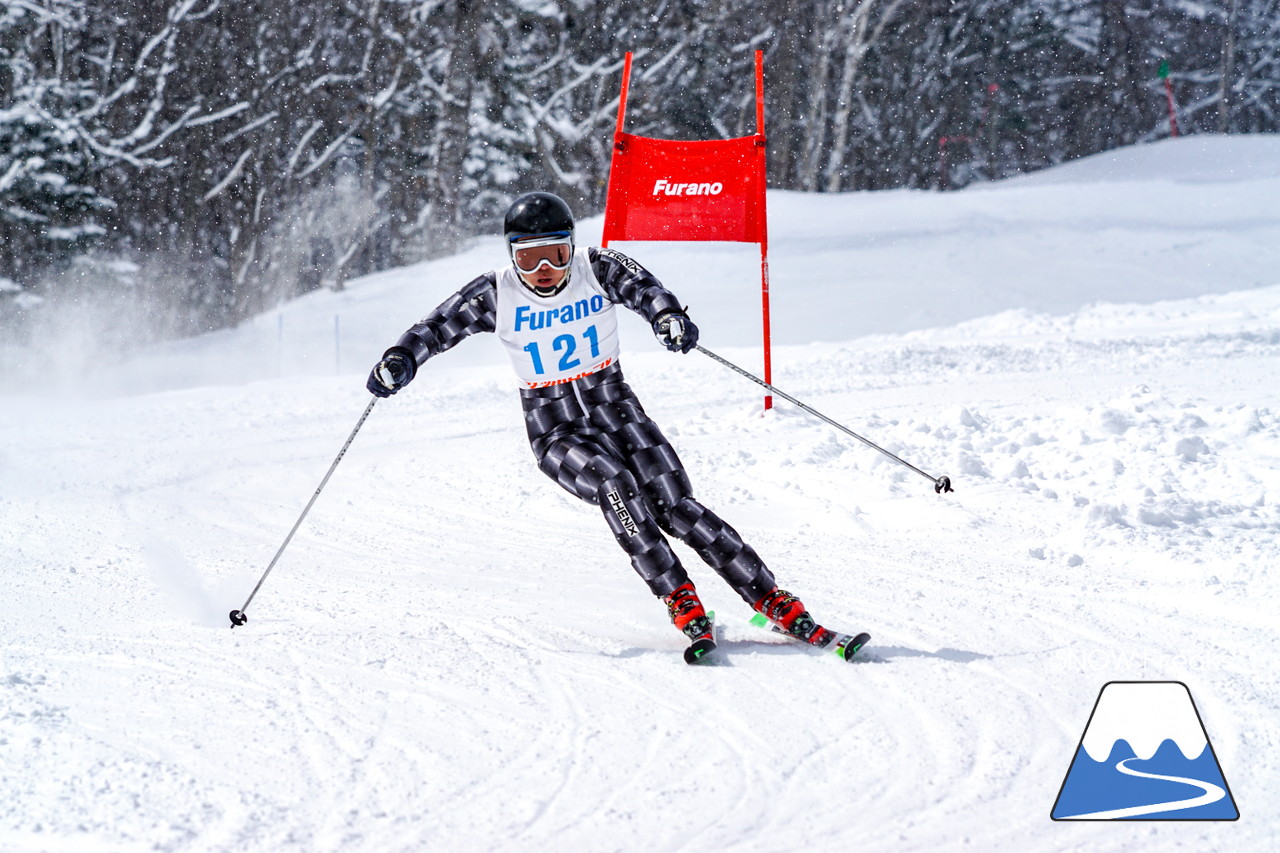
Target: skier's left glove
x: 395, y: 371
x: 675, y: 331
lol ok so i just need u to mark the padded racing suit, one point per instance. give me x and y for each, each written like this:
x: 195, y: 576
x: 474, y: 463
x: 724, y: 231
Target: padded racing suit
x: 591, y: 435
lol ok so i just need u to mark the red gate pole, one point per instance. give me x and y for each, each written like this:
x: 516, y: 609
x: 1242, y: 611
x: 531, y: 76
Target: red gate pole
x: 617, y: 133
x: 764, y: 229
x: 622, y: 98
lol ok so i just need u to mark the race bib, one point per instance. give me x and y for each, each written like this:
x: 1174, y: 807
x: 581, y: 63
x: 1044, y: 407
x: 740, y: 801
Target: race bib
x: 561, y: 338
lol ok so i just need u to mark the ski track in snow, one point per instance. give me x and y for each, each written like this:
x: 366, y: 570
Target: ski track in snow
x: 402, y: 685
x: 453, y: 654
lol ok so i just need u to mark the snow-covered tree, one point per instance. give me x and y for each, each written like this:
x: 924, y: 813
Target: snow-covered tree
x: 266, y: 148
x: 83, y: 90
x: 1249, y: 72
x: 48, y: 203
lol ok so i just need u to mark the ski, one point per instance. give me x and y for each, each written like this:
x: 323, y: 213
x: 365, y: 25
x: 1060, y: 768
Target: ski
x: 702, y: 651
x: 843, y: 646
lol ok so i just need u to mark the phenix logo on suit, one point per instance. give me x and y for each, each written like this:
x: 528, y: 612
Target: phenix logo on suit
x: 624, y: 515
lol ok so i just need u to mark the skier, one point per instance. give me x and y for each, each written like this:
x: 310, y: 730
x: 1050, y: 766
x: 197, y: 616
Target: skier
x: 553, y: 309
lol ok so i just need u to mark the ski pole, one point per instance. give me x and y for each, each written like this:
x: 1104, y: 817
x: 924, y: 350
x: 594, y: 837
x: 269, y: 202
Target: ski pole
x: 940, y: 484
x: 237, y: 616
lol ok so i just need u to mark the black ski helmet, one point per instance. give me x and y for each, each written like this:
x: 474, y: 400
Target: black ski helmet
x: 536, y: 214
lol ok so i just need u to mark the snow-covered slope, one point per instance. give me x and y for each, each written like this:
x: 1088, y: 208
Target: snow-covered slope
x: 453, y: 654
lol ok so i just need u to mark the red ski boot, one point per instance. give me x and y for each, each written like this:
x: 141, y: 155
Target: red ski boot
x: 789, y: 617
x: 788, y: 613
x: 688, y: 614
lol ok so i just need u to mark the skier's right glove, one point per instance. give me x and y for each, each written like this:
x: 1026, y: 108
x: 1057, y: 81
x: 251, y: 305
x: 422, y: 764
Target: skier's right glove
x: 395, y: 371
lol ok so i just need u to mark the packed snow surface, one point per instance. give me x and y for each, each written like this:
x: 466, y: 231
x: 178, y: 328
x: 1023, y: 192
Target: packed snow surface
x: 453, y: 654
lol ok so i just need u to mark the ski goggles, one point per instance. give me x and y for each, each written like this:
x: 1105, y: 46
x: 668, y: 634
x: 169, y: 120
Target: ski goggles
x: 554, y: 250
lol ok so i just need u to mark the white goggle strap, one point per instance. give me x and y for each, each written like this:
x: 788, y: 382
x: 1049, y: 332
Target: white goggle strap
x: 549, y: 240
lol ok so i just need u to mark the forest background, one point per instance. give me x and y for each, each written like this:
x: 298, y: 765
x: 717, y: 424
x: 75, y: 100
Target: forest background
x: 203, y: 160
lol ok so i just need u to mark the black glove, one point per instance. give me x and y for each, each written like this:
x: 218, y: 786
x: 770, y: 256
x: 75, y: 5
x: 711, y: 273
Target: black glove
x: 675, y: 331
x: 395, y: 371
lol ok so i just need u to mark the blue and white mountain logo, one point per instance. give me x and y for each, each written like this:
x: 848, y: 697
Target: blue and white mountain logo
x: 1145, y: 755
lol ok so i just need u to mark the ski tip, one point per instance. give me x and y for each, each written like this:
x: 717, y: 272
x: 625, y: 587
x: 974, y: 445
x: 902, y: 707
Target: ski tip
x: 699, y: 651
x: 848, y: 649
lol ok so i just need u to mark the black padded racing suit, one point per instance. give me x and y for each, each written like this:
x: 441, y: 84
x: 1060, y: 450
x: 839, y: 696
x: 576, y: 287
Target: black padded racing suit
x: 592, y: 437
